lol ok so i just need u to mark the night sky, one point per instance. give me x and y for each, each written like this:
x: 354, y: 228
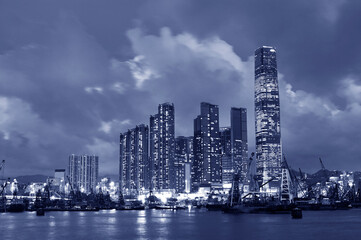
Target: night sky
x: 74, y: 74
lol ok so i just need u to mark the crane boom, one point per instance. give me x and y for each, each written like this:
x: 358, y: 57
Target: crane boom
x: 260, y: 186
x: 71, y: 185
x: 2, y: 167
x: 322, y: 166
x: 301, y: 174
x: 4, y: 186
x: 2, y: 164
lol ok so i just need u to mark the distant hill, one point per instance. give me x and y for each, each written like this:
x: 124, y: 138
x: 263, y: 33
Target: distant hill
x: 322, y: 176
x: 31, y: 178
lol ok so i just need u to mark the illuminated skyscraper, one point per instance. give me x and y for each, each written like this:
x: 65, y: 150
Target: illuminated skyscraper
x: 239, y: 141
x: 228, y: 166
x: 183, y: 161
x: 267, y: 117
x: 206, y: 147
x: 162, y: 147
x: 83, y: 172
x: 134, y: 168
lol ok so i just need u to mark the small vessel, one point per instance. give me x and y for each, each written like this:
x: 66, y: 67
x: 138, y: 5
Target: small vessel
x: 296, y: 213
x: 166, y: 207
x: 213, y: 204
x: 132, y: 205
x: 40, y: 212
x: 16, y: 205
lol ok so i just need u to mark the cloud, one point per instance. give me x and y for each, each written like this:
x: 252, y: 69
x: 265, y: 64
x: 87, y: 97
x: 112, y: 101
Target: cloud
x: 191, y: 70
x: 113, y: 126
x: 28, y: 141
x: 140, y: 71
x: 93, y: 89
x: 300, y: 102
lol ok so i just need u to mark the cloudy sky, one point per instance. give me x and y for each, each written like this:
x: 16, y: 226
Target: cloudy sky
x: 74, y: 74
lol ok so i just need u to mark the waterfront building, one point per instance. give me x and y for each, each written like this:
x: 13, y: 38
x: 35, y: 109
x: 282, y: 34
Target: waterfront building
x: 206, y: 147
x: 267, y: 119
x: 59, y: 180
x: 162, y: 147
x: 228, y: 167
x: 134, y: 169
x: 83, y: 172
x: 239, y: 141
x: 182, y: 163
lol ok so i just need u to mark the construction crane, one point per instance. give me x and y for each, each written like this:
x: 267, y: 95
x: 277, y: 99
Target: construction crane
x: 2, y: 168
x: 273, y: 178
x: 3, y: 187
x: 301, y: 174
x: 322, y: 166
x: 2, y: 194
x: 71, y: 186
x: 249, y: 176
x: 47, y: 189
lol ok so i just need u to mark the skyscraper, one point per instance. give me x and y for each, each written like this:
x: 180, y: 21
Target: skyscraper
x: 162, y: 147
x: 206, y: 147
x: 182, y: 163
x: 239, y: 142
x: 83, y: 172
x: 134, y: 169
x: 228, y: 166
x: 267, y: 118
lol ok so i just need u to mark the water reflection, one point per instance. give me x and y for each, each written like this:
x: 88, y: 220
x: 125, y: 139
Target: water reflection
x: 141, y: 223
x: 159, y: 224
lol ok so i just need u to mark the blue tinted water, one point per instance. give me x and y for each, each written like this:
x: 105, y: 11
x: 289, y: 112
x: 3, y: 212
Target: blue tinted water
x: 183, y: 224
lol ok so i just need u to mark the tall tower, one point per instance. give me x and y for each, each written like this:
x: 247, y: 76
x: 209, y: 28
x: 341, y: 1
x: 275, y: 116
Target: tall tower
x: 182, y: 163
x: 228, y: 166
x: 83, y: 172
x: 134, y: 166
x: 207, y: 162
x: 267, y: 117
x: 239, y: 142
x: 162, y: 147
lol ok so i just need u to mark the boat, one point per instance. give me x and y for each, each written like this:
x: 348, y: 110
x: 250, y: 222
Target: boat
x: 16, y: 205
x: 296, y: 213
x: 215, y: 206
x: 166, y: 207
x: 132, y: 205
x: 40, y: 212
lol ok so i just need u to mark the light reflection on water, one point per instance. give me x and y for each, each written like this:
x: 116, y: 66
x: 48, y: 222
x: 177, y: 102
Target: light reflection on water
x: 158, y: 224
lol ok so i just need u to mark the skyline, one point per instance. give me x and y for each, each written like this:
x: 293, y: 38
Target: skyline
x: 70, y: 83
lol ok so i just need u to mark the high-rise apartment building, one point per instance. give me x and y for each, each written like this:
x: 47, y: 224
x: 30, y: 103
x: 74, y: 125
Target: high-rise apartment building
x: 182, y: 163
x: 83, y: 172
x: 206, y: 147
x: 267, y: 118
x: 134, y: 168
x: 162, y: 147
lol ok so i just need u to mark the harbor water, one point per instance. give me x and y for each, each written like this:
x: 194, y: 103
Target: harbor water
x: 181, y: 224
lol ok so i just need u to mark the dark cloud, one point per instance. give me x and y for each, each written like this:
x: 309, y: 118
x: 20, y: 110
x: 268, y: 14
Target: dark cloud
x: 74, y: 75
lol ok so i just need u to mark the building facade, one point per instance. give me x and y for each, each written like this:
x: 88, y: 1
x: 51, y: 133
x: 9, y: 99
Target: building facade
x: 239, y: 141
x: 134, y: 167
x: 162, y: 147
x: 228, y: 166
x: 83, y: 172
x: 267, y: 119
x: 206, y: 146
x: 182, y: 163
